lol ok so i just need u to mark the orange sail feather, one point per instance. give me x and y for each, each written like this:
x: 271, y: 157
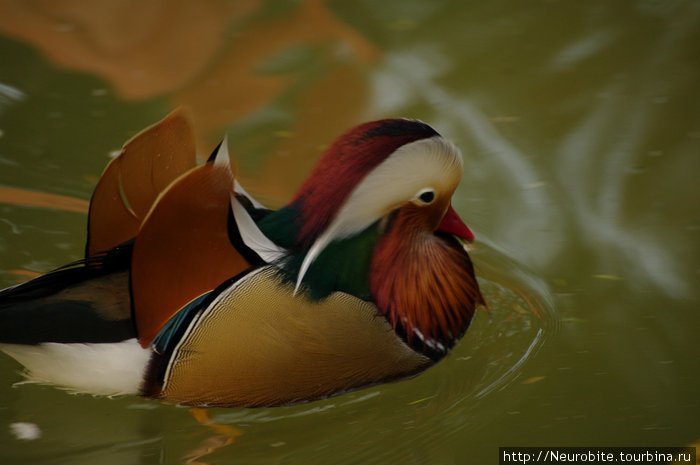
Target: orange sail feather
x: 182, y: 249
x: 130, y: 184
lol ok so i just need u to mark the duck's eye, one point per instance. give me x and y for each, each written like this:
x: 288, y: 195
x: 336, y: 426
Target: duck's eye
x: 425, y: 197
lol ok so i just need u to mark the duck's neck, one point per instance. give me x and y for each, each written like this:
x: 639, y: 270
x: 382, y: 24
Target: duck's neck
x: 424, y: 285
x: 342, y: 266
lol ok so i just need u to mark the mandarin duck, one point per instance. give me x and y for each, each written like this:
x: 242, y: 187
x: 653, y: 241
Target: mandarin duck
x: 194, y: 293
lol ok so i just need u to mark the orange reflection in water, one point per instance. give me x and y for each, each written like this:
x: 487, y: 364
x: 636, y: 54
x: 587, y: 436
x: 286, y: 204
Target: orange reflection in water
x: 142, y: 48
x: 14, y: 196
x: 220, y: 58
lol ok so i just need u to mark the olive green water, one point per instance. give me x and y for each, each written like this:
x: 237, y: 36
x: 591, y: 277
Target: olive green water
x: 580, y: 127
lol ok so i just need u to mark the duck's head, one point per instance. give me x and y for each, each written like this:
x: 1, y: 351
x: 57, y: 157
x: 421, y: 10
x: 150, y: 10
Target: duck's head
x: 378, y: 202
x: 374, y: 169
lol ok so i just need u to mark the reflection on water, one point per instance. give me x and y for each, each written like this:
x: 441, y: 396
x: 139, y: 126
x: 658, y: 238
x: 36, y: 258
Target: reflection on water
x: 580, y: 128
x: 9, y: 95
x: 230, y: 62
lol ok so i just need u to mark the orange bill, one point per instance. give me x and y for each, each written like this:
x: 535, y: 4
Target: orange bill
x: 130, y: 184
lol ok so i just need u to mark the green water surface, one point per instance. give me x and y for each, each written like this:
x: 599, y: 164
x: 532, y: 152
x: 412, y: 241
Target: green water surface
x: 580, y: 127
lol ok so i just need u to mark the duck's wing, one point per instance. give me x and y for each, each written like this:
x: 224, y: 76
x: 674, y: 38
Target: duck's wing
x: 87, y: 301
x: 187, y: 245
x: 131, y: 182
x: 183, y: 241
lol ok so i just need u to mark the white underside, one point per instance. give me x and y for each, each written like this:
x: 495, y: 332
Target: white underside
x: 100, y: 369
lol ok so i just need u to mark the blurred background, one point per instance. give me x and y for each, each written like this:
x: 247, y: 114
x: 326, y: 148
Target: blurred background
x: 580, y: 127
